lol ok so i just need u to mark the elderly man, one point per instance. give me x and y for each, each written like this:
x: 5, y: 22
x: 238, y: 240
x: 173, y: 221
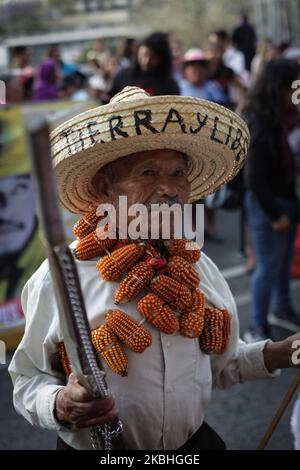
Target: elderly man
x: 152, y: 150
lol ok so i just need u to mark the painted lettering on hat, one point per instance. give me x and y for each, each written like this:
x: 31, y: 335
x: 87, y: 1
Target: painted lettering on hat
x: 92, y: 132
x: 174, y: 116
x: 201, y: 123
x: 236, y: 143
x: 229, y: 133
x: 143, y: 117
x: 115, y: 126
x: 215, y: 129
x: 65, y: 135
x: 243, y: 150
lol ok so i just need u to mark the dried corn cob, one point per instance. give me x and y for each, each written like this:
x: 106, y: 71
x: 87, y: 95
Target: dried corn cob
x: 134, y: 335
x: 158, y: 313
x: 135, y: 281
x: 120, y: 261
x: 86, y: 224
x: 180, y: 269
x: 65, y: 362
x: 94, y: 244
x: 216, y: 332
x: 109, y: 348
x: 174, y: 293
x: 192, y: 320
x: 187, y: 249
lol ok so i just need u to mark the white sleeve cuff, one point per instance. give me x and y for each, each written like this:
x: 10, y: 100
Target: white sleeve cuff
x: 45, y: 405
x: 251, y: 362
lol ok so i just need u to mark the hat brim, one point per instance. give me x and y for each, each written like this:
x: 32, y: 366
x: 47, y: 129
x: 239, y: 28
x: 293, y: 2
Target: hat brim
x: 214, y: 138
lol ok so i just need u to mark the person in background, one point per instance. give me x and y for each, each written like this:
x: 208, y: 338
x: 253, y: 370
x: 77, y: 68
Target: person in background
x: 22, y: 68
x: 74, y: 87
x: 196, y: 82
x: 98, y: 52
x: 65, y: 69
x: 218, y: 71
x: 152, y: 70
x: 265, y: 53
x: 271, y: 203
x: 177, y: 56
x: 46, y: 86
x: 233, y: 58
x: 244, y: 38
x: 126, y: 52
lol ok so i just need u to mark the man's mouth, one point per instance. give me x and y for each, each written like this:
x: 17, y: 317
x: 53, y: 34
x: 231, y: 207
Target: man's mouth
x: 160, y: 205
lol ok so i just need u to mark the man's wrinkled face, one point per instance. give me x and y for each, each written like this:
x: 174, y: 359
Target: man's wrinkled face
x: 150, y: 177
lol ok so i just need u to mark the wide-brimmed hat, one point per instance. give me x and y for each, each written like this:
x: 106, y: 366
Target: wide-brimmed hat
x: 214, y: 139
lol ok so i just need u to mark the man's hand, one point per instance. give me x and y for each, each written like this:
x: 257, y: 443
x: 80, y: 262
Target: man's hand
x: 282, y: 224
x: 283, y: 354
x: 75, y: 405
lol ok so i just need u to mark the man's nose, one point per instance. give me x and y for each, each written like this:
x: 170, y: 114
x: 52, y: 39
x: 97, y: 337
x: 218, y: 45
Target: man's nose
x: 166, y: 187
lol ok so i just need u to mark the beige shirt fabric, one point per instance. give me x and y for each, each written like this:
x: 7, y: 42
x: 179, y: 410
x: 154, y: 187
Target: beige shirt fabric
x: 163, y: 399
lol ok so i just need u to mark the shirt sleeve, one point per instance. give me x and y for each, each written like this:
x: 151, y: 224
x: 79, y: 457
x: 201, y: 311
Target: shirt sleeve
x: 36, y: 383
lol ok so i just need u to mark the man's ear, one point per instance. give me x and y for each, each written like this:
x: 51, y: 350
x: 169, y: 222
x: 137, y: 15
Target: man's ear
x: 103, y: 187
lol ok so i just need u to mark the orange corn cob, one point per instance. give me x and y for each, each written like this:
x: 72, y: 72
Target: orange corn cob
x: 187, y: 249
x: 86, y: 224
x: 158, y: 313
x: 120, y: 261
x: 135, y: 281
x: 134, y: 335
x: 174, y: 293
x: 192, y: 320
x: 94, y: 244
x: 216, y: 332
x: 65, y: 362
x: 109, y: 348
x: 180, y: 269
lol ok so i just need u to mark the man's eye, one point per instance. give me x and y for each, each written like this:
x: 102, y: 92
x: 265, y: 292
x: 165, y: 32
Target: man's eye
x: 148, y: 173
x: 179, y: 173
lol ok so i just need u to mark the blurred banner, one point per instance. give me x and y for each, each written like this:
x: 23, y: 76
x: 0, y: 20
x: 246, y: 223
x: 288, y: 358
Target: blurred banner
x: 21, y: 250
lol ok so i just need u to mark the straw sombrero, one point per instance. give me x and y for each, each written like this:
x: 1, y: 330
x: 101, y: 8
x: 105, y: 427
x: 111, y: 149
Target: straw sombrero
x: 214, y: 138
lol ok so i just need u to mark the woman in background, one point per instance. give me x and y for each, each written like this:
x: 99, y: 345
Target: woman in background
x: 271, y: 202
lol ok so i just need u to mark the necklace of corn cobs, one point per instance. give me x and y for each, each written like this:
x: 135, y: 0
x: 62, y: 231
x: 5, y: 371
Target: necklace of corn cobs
x: 173, y: 302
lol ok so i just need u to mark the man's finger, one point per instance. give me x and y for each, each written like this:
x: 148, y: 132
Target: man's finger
x: 78, y: 393
x: 98, y: 421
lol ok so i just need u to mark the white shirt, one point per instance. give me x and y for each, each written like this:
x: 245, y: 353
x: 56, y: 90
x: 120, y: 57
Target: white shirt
x: 163, y: 399
x: 235, y: 60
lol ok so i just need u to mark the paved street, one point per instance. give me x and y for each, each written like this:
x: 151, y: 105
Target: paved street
x: 240, y: 415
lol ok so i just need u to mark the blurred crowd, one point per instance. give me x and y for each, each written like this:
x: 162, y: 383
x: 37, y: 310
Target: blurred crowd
x: 220, y: 70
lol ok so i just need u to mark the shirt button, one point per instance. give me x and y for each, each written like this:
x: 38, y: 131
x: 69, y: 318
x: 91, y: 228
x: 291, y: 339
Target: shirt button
x: 168, y: 344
